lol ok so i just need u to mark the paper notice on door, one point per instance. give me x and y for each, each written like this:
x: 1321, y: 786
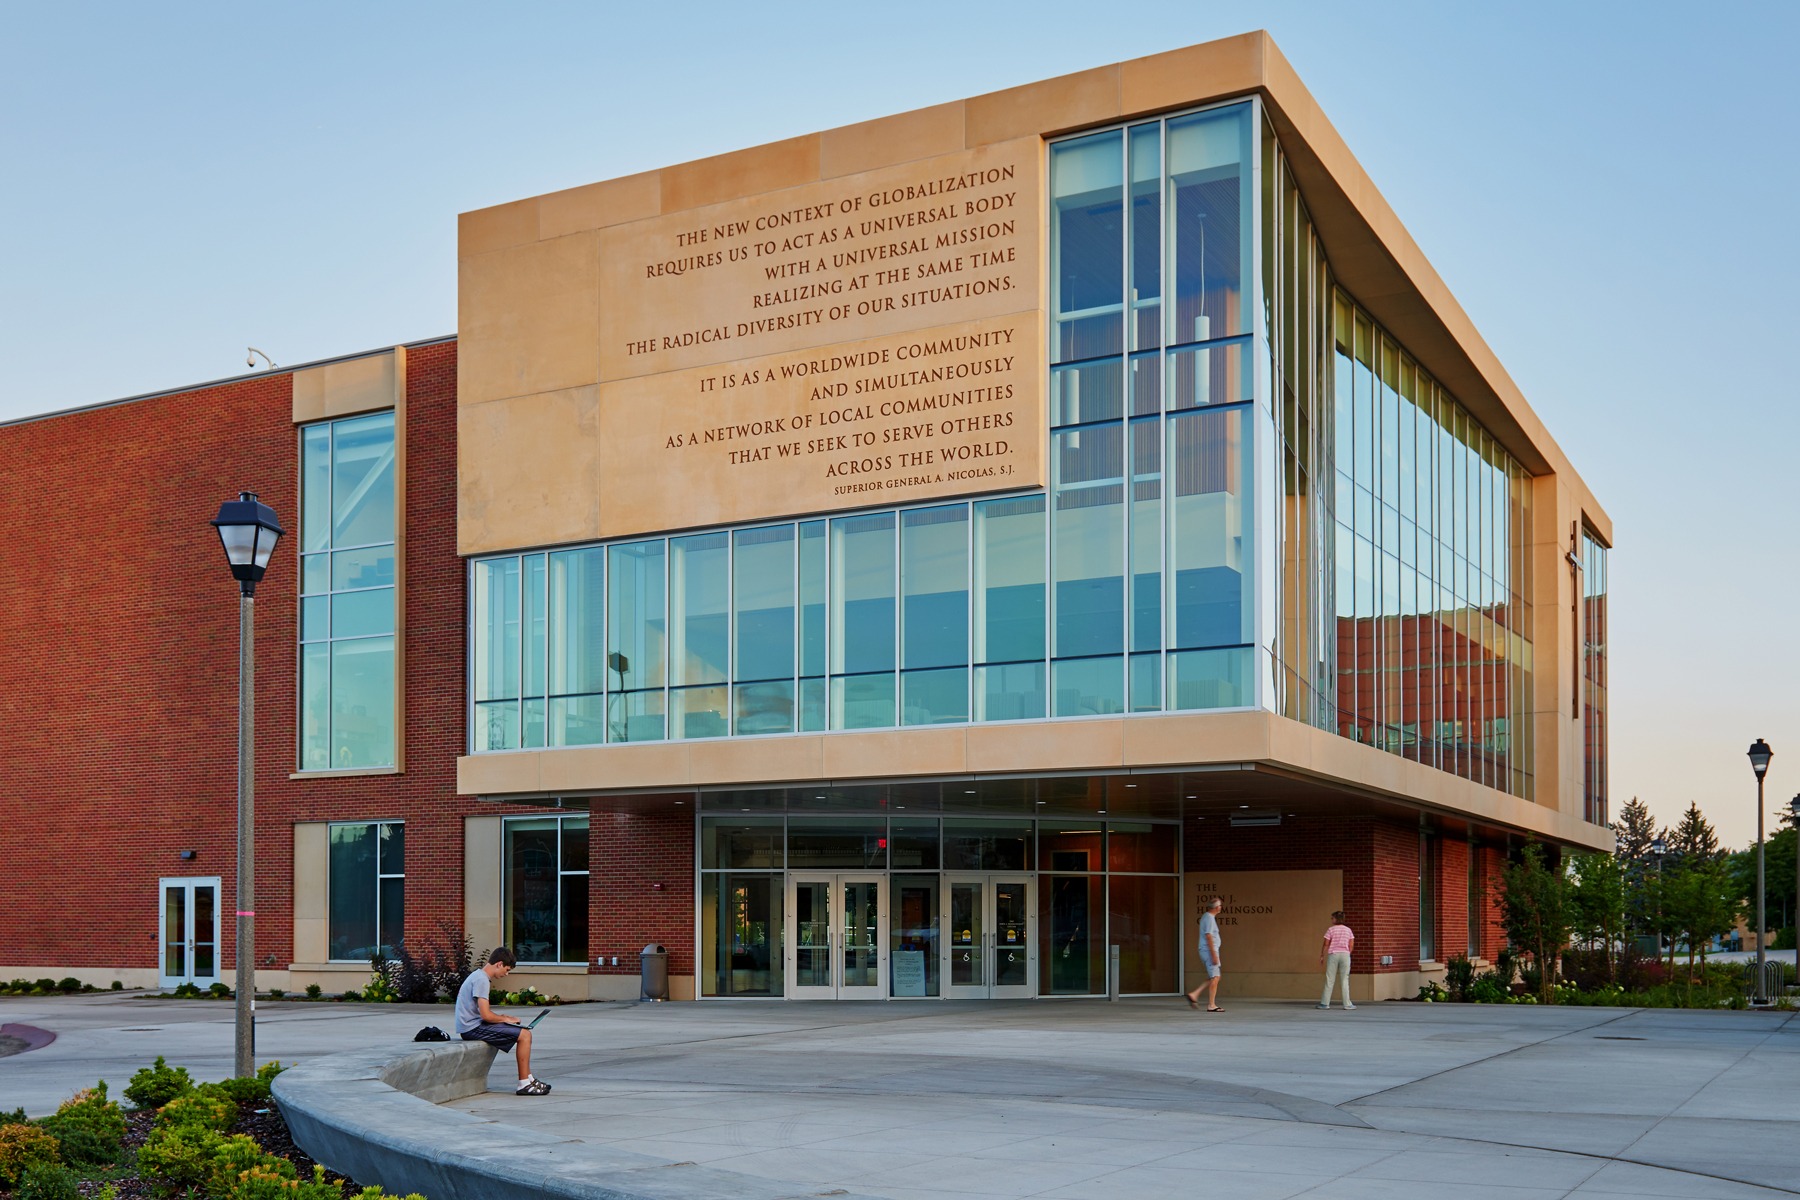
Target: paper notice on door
x: 909, y: 972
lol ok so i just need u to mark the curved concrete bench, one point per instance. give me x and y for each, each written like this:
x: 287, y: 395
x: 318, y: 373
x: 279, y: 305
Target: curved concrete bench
x: 373, y: 1115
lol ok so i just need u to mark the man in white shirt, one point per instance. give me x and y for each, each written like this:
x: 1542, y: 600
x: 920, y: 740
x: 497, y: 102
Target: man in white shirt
x: 1209, y: 957
x: 476, y: 1022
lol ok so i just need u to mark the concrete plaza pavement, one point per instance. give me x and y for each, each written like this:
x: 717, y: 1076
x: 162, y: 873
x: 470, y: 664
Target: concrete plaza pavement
x: 1076, y: 1099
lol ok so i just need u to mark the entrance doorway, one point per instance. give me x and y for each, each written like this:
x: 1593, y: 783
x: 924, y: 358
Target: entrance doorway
x: 990, y: 936
x: 837, y: 948
x: 189, y: 936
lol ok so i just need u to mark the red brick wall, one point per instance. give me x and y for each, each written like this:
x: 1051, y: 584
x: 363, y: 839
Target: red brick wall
x: 118, y: 688
x: 1452, y: 898
x: 642, y: 887
x: 1379, y: 861
x: 1490, y: 862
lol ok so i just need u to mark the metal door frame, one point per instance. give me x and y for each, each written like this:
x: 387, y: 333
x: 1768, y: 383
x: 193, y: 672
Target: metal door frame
x: 835, y: 882
x: 988, y: 989
x: 189, y: 883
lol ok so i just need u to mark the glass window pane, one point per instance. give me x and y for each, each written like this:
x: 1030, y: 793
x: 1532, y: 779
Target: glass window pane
x: 763, y: 707
x: 862, y: 594
x: 392, y: 928
x: 371, y: 566
x: 699, y: 604
x: 577, y: 601
x: 315, y: 574
x: 1141, y: 912
x: 351, y: 887
x: 362, y: 480
x: 913, y: 844
x: 497, y: 725
x: 392, y: 854
x: 635, y: 615
x: 532, y: 889
x: 1212, y: 679
x: 315, y: 487
x: 1146, y: 516
x: 1071, y: 934
x: 359, y: 614
x: 987, y: 846
x: 362, y: 703
x: 315, y: 618
x: 1208, y: 211
x: 635, y: 717
x: 1221, y: 373
x: 1070, y: 846
x: 1013, y: 692
x: 1141, y: 847
x: 1009, y: 580
x: 496, y: 629
x: 701, y: 712
x: 1209, y: 538
x: 1087, y: 391
x: 812, y: 598
x: 934, y: 697
x: 575, y: 720
x: 836, y: 842
x: 535, y: 627
x: 934, y: 576
x: 1087, y: 530
x: 741, y: 935
x: 1087, y: 247
x: 763, y: 603
x: 1146, y: 683
x: 315, y: 708
x: 1146, y: 236
x: 862, y: 701
x: 1086, y: 687
x: 750, y: 842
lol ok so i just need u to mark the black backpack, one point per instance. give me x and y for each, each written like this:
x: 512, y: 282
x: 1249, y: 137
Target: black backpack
x: 431, y: 1033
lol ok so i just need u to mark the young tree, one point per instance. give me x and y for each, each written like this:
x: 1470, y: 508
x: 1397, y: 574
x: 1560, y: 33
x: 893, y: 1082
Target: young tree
x: 1597, y: 905
x: 1700, y: 903
x: 1693, y: 840
x: 1635, y: 830
x: 1535, y: 908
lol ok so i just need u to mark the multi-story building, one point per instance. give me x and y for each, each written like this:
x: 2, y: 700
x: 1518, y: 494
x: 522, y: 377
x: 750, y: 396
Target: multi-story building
x: 919, y: 559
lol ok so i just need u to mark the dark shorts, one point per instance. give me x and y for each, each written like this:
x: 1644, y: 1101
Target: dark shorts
x: 502, y: 1036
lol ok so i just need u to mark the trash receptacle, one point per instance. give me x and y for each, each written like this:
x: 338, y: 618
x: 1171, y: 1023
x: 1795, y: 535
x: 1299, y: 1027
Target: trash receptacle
x: 654, y: 966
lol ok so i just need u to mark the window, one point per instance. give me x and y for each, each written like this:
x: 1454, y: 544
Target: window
x: 366, y: 889
x: 347, y: 574
x: 546, y: 864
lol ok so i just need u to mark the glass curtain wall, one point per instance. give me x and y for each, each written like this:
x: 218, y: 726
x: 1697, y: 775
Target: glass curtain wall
x: 1404, y: 590
x: 1593, y: 675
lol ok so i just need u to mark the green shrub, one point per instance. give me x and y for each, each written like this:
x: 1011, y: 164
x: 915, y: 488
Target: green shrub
x: 1459, y: 973
x: 68, y: 984
x: 118, y: 985
x: 47, y: 985
x: 89, y: 1128
x: 187, y: 991
x: 277, y: 994
x: 352, y: 996
x: 1486, y: 988
x: 153, y: 1087
x: 220, y: 991
x: 236, y: 1155
x: 314, y: 991
x: 246, y: 1089
x: 47, y: 1181
x: 15, y: 1117
x: 20, y: 1147
x: 178, y: 1158
x: 206, y: 1106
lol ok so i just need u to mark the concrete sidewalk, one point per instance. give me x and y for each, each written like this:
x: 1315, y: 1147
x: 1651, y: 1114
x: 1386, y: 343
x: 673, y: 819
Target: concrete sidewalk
x: 1076, y: 1099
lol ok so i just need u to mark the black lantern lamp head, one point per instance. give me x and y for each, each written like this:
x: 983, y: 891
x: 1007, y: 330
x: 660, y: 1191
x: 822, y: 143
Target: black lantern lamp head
x: 1760, y: 754
x: 1794, y: 808
x: 1659, y: 847
x: 249, y: 530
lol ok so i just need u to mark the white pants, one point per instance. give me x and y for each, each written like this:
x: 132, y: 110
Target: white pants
x: 1337, y: 966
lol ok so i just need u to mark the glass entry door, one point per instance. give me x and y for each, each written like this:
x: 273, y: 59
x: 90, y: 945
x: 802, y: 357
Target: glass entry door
x: 836, y: 947
x: 989, y: 937
x: 189, y: 940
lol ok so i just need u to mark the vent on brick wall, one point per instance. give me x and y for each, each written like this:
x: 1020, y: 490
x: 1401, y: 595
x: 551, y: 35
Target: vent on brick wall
x: 1245, y: 820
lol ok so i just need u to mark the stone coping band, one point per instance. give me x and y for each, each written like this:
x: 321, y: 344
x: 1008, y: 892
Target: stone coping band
x: 373, y: 1115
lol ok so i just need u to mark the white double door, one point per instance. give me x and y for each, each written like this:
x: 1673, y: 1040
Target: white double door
x: 188, y: 941
x: 989, y: 934
x: 837, y: 943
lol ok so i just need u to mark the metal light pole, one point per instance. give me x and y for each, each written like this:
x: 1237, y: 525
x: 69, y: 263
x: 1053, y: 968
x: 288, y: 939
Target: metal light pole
x: 248, y: 529
x: 1760, y: 754
x: 1659, y: 847
x: 1794, y: 913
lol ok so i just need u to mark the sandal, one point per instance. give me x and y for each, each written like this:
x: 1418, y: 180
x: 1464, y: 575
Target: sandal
x: 536, y: 1087
x: 1215, y: 1010
x: 1192, y: 1003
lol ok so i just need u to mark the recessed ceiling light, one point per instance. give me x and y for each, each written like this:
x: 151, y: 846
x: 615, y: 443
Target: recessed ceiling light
x: 1243, y: 806
x: 1103, y: 812
x: 1193, y: 797
x: 968, y: 791
x: 1131, y: 785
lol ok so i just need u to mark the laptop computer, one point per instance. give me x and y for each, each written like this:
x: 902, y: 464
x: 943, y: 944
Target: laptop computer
x: 532, y: 1024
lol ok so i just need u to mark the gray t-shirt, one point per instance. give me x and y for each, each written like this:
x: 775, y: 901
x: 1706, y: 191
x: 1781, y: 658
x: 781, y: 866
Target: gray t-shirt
x: 1209, y: 928
x: 474, y: 990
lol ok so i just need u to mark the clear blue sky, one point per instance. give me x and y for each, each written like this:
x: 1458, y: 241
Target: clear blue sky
x: 1605, y: 187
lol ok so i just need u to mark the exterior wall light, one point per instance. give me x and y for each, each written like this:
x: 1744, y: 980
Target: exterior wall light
x: 1760, y: 754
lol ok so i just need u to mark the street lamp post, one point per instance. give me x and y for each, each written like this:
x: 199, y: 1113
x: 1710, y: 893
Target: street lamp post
x: 248, y: 529
x: 1794, y: 913
x: 1760, y: 754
